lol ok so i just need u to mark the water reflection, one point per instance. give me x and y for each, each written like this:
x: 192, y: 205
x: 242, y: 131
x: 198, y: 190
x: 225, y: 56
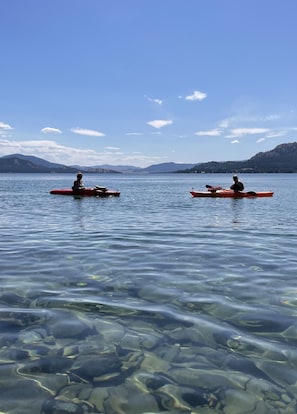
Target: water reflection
x: 237, y: 208
x: 80, y: 212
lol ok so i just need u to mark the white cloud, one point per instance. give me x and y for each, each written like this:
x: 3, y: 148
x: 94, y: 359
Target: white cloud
x: 254, y: 125
x: 210, y: 133
x: 112, y: 148
x: 49, y: 130
x: 273, y: 134
x: 224, y: 123
x: 196, y: 96
x: 157, y: 101
x: 134, y: 133
x: 5, y: 127
x: 235, y: 141
x: 54, y: 152
x: 29, y: 147
x: 159, y: 123
x: 245, y: 119
x: 270, y: 117
x: 276, y: 134
x: 239, y: 132
x: 87, y: 132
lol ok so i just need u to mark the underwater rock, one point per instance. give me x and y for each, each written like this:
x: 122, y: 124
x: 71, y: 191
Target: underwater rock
x: 21, y: 395
x: 98, y: 396
x: 191, y: 335
x: 167, y: 351
x: 18, y: 319
x: 206, y: 378
x: 152, y: 363
x: 92, y: 366
x: 280, y: 373
x: 180, y: 398
x: 263, y: 321
x: 111, y: 331
x: 12, y: 299
x: 127, y: 398
x: 57, y: 406
x: 65, y: 324
x: 131, y: 361
x: 149, y: 381
x: 131, y: 342
x: 31, y: 336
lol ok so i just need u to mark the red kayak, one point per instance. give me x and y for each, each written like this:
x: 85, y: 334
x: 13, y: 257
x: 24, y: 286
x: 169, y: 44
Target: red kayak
x: 87, y: 192
x: 222, y: 193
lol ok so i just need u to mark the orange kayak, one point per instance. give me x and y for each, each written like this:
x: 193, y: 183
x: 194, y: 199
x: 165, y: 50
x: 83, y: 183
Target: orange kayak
x: 231, y: 194
x: 87, y: 192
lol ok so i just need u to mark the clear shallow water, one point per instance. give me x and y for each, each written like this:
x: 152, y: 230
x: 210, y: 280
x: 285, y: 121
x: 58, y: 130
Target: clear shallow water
x: 147, y: 303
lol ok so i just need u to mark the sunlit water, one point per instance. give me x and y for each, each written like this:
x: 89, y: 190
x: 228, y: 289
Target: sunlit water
x: 153, y: 302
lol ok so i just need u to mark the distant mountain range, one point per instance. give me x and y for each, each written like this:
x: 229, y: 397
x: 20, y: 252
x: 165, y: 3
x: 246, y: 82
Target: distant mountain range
x: 282, y: 159
x: 18, y: 163
x: 166, y: 167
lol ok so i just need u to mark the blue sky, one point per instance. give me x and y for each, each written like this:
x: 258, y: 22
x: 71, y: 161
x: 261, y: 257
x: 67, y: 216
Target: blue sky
x: 142, y: 82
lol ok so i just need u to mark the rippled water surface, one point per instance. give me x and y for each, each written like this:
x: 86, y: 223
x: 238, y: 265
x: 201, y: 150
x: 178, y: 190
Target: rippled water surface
x: 153, y: 302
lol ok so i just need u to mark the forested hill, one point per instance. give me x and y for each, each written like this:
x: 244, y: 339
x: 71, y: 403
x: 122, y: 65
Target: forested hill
x: 282, y: 159
x: 17, y: 164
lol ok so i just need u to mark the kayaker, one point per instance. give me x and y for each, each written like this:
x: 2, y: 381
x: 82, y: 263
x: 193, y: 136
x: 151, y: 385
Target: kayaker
x: 78, y: 183
x: 237, y: 185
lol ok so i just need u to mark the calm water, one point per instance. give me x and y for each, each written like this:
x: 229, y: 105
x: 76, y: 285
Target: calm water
x: 153, y: 302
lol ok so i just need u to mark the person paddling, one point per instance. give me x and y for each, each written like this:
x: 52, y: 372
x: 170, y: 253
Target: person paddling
x: 237, y: 185
x: 78, y: 183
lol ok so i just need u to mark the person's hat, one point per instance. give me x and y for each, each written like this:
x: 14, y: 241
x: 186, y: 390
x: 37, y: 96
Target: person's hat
x: 235, y: 176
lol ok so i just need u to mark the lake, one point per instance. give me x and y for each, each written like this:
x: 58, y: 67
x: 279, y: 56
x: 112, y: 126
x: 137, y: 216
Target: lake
x: 151, y: 302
